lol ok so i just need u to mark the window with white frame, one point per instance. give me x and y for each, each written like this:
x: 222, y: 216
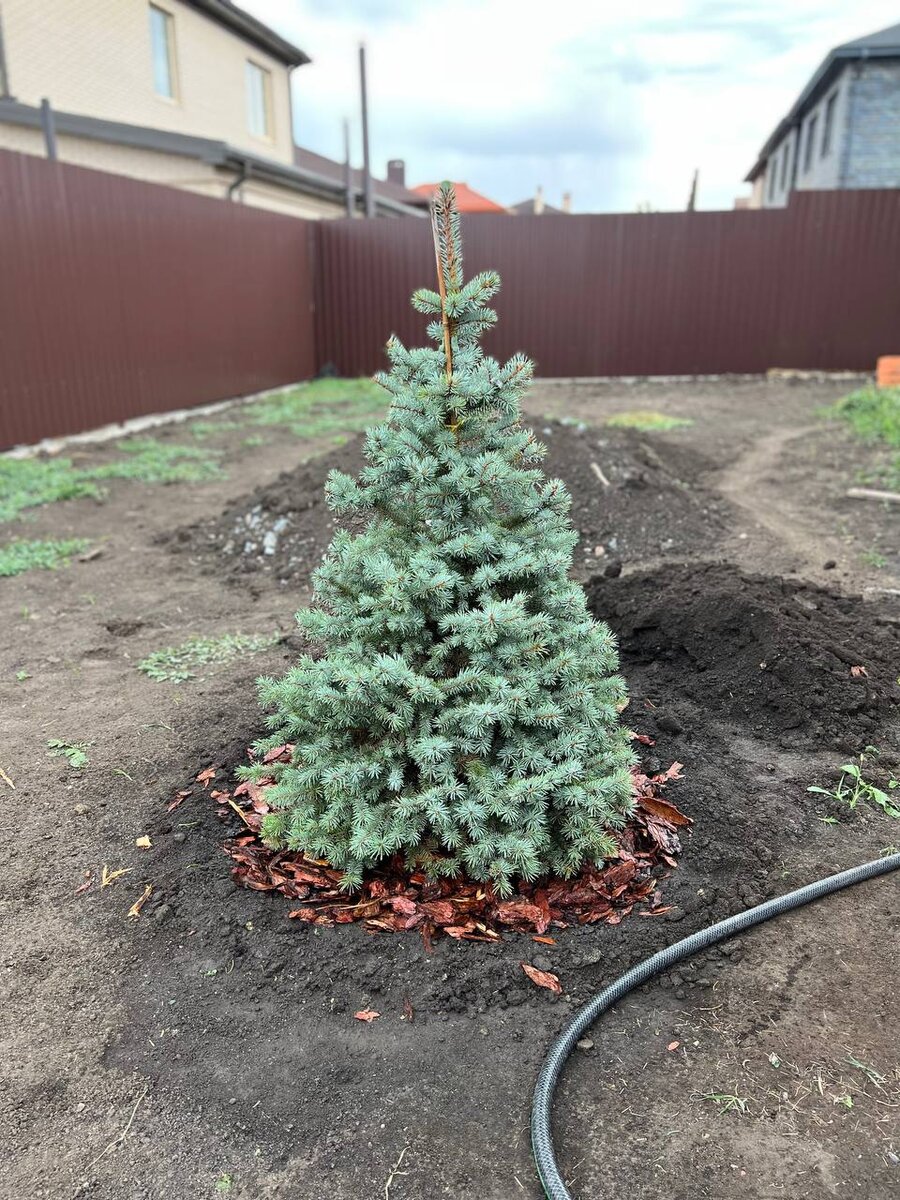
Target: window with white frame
x: 162, y: 43
x: 259, y: 100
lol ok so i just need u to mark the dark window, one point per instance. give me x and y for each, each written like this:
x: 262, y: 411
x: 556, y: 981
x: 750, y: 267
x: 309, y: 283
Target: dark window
x: 785, y: 165
x: 828, y: 127
x: 810, y: 141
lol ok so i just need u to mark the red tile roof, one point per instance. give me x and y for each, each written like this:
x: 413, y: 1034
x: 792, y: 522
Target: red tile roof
x: 467, y: 199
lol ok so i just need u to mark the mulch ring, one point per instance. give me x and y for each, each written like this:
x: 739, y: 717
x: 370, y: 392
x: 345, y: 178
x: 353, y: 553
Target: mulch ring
x: 393, y: 899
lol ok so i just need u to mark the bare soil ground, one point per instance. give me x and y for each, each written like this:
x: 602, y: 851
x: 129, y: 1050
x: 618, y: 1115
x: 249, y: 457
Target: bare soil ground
x: 208, y: 1046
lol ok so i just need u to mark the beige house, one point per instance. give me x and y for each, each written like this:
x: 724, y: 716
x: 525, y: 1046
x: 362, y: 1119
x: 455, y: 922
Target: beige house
x: 190, y: 93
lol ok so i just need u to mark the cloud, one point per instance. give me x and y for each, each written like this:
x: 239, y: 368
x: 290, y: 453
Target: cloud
x: 617, y: 101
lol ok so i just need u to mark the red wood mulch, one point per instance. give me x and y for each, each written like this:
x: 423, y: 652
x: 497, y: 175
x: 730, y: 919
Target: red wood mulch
x: 393, y: 899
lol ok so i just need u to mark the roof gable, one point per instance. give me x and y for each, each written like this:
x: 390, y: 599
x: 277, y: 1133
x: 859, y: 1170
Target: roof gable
x: 883, y: 44
x: 889, y: 37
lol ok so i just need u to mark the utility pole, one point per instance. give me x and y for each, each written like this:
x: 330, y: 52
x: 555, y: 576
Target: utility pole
x: 692, y: 198
x: 349, y: 197
x: 5, y: 93
x: 367, y: 168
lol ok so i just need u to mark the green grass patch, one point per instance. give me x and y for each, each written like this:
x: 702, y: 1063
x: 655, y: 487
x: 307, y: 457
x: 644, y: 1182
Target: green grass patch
x: 872, y: 413
x: 151, y: 461
x: 889, y: 476
x: 22, y: 555
x: 647, y: 421
x: 204, y: 429
x: 30, y: 482
x: 323, y: 407
x: 177, y: 664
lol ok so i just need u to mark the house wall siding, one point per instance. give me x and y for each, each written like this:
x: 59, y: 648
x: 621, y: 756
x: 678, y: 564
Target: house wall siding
x: 865, y: 141
x: 873, y: 159
x: 93, y: 57
x: 825, y: 169
x: 175, y: 170
x: 777, y: 183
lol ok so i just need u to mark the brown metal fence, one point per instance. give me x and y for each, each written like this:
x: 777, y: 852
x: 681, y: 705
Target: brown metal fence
x: 120, y: 298
x: 814, y: 285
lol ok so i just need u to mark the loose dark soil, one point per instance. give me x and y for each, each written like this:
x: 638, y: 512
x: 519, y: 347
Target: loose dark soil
x: 652, y: 505
x: 787, y: 661
x: 208, y: 1046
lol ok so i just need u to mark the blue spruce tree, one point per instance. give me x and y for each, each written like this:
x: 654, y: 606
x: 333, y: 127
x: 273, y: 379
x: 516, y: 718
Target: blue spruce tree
x: 464, y: 711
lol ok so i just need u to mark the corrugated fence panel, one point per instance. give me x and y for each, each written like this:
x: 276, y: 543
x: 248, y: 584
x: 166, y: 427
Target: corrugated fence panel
x: 120, y: 298
x: 815, y: 285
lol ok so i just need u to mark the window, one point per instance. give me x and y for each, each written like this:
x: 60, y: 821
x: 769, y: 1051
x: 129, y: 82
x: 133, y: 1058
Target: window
x: 162, y: 41
x: 810, y: 141
x: 259, y: 100
x: 785, y: 165
x: 772, y: 174
x: 828, y: 127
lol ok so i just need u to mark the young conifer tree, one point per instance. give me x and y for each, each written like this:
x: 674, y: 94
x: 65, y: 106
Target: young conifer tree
x: 465, y: 708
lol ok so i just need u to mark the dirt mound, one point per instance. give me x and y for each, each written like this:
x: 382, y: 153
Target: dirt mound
x: 778, y: 658
x: 694, y: 641
x: 644, y: 510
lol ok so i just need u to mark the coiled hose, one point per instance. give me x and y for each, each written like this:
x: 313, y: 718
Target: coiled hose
x: 541, y: 1136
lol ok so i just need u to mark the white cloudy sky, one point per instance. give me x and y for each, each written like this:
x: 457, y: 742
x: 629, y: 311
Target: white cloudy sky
x: 615, y: 101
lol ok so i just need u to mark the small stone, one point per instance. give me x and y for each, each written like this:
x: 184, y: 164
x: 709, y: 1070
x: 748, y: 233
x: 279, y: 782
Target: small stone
x: 829, y: 566
x: 585, y: 1044
x: 81, y: 810
x: 180, y: 836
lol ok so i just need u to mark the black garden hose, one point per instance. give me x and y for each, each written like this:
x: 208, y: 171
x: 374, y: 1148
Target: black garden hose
x: 541, y: 1137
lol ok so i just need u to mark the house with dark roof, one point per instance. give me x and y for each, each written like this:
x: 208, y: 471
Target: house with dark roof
x: 392, y: 196
x: 195, y: 94
x: 537, y: 206
x: 843, y: 130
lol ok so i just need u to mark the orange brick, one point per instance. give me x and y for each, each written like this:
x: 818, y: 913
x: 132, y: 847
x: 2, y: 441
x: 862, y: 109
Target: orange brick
x: 888, y: 372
